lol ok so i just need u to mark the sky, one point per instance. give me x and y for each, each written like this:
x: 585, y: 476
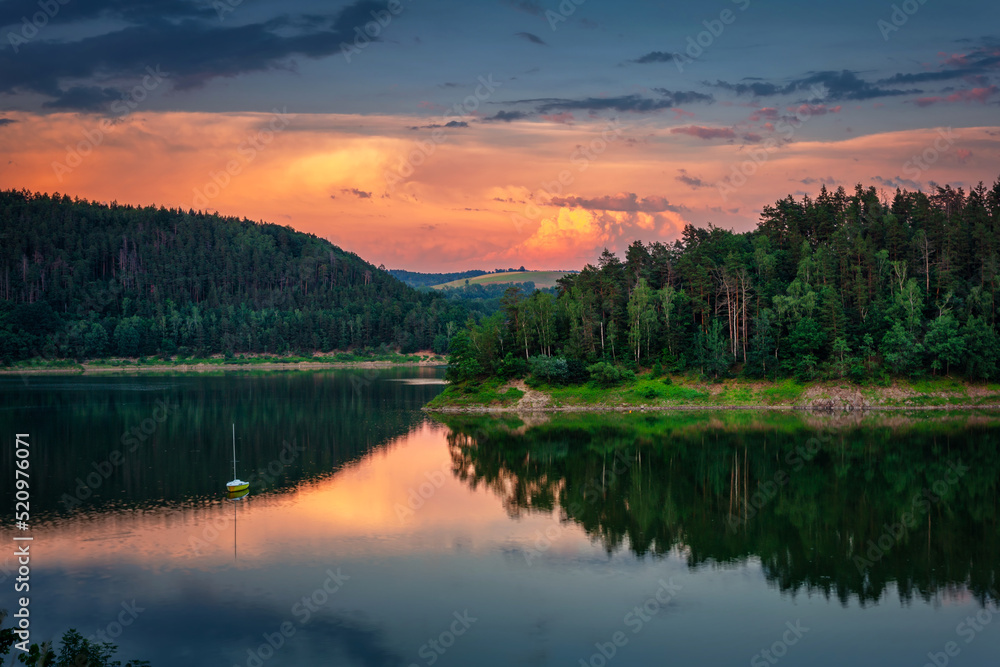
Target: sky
x: 439, y: 135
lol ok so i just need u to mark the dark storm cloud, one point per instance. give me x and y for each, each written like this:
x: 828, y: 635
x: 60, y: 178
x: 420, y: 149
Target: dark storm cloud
x: 846, y: 85
x: 842, y: 85
x: 534, y: 39
x: 507, y: 116
x: 978, y: 63
x: 627, y: 202
x: 923, y: 77
x: 756, y: 89
x: 190, y: 49
x: 654, y: 57
x: 84, y: 98
x: 622, y: 103
x: 685, y: 96
x: 433, y: 126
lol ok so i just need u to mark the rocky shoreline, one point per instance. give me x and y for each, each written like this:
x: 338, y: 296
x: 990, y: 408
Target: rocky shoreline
x: 815, y: 398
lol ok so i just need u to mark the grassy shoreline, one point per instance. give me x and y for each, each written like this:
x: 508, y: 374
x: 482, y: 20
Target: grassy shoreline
x: 218, y: 363
x: 680, y: 393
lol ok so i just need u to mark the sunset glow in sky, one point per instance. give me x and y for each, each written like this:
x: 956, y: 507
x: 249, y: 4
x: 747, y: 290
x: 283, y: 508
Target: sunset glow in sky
x: 496, y: 133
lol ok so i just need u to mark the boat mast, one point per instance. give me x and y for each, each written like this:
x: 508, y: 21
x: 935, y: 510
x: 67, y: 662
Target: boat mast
x: 234, y: 450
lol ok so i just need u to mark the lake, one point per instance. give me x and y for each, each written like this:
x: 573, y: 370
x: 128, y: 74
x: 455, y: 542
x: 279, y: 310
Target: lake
x: 375, y: 534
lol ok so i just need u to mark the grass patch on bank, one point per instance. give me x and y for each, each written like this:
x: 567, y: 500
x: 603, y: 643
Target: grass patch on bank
x: 675, y: 393
x: 785, y: 392
x: 489, y: 393
x: 737, y: 395
x: 583, y: 394
x: 644, y: 391
x: 937, y: 385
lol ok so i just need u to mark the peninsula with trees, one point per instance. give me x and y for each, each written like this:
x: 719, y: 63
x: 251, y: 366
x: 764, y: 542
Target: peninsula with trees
x: 842, y: 300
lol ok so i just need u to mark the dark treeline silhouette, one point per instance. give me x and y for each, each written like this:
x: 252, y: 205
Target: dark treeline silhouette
x: 837, y: 286
x: 74, y: 650
x: 81, y: 279
x: 864, y: 507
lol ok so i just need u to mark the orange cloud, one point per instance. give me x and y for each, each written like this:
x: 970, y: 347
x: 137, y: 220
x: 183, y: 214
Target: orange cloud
x: 576, y: 236
x: 539, y: 194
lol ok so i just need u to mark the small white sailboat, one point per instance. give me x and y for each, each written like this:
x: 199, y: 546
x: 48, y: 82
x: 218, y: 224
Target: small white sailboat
x: 237, y: 486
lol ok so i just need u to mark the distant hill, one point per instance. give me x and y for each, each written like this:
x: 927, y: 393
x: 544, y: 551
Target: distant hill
x: 541, y: 279
x: 82, y: 280
x: 415, y: 279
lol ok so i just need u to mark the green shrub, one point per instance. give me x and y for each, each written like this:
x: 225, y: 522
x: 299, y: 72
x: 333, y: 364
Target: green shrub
x: 857, y: 373
x: 512, y: 367
x: 678, y: 364
x: 576, y: 372
x: 549, y: 370
x: 649, y: 393
x: 604, y: 374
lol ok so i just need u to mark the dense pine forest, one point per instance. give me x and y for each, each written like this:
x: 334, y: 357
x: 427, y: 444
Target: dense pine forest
x: 85, y: 280
x: 837, y: 286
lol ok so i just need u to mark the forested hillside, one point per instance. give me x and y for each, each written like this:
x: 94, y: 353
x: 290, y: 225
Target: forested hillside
x: 83, y: 280
x: 840, y: 285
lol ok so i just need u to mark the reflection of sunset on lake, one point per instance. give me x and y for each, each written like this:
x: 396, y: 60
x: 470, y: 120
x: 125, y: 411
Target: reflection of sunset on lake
x: 362, y: 509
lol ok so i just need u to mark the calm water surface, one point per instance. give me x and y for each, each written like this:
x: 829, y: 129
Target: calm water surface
x: 375, y: 535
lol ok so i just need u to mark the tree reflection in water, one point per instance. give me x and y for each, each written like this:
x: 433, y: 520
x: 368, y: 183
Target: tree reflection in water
x: 857, y: 516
